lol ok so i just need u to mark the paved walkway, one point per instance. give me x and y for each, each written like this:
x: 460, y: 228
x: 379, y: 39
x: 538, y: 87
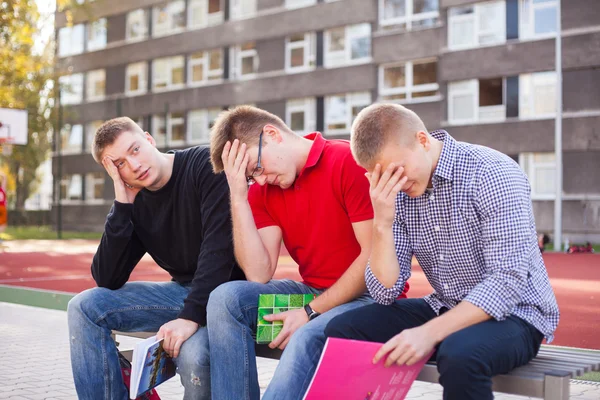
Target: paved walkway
x: 35, y: 361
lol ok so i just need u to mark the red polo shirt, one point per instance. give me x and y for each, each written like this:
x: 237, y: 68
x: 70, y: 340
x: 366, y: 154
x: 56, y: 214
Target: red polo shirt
x: 316, y: 213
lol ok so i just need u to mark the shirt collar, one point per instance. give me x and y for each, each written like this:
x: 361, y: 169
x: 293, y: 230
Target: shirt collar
x: 445, y: 165
x: 315, y: 151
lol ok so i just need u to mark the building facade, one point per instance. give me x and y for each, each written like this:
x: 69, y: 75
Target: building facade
x: 482, y: 70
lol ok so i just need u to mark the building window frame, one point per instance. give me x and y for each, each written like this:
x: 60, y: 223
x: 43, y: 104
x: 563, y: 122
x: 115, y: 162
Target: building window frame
x: 498, y: 33
x: 238, y: 54
x: 96, y: 34
x: 71, y: 40
x: 343, y: 57
x: 409, y: 89
x: 527, y: 22
x: 201, y: 9
x: 174, y: 19
x: 71, y: 139
x: 95, y: 85
x: 293, y: 4
x: 204, y: 59
x: 162, y: 138
x: 409, y: 16
x: 139, y: 16
x: 535, y: 164
x: 307, y: 106
x: 346, y: 117
x: 92, y: 180
x: 72, y: 185
x: 166, y: 77
x: 243, y: 9
x: 71, y: 89
x: 200, y: 120
x: 141, y: 70
x: 308, y: 44
x: 529, y: 85
x: 480, y: 114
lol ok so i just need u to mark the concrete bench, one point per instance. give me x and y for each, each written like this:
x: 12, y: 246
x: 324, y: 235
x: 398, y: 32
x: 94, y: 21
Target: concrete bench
x: 546, y: 376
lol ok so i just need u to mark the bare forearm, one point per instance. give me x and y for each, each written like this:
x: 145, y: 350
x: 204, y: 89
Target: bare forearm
x: 249, y: 249
x: 384, y: 262
x: 350, y: 285
x: 460, y: 317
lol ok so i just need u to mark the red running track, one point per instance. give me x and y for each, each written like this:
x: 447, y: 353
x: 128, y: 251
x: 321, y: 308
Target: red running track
x: 575, y: 278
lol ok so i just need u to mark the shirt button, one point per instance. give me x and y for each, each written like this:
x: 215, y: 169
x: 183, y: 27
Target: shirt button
x: 446, y: 286
x: 432, y: 198
x: 437, y: 228
x: 442, y: 257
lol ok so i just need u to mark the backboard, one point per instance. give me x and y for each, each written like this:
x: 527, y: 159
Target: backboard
x: 13, y: 126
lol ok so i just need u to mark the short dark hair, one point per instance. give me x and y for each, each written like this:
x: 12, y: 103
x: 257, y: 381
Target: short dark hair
x: 108, y: 133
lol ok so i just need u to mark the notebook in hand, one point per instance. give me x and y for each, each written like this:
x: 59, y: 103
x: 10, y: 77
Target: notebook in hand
x: 151, y: 366
x: 273, y: 304
x: 346, y: 371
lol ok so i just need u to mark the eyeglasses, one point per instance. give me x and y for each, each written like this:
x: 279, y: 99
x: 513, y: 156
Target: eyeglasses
x: 258, y: 170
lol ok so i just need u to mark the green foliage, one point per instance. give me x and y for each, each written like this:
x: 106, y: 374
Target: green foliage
x: 43, y: 233
x: 24, y: 84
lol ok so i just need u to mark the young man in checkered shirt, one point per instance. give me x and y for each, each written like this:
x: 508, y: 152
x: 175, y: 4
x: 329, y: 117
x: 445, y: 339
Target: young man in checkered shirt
x: 464, y: 211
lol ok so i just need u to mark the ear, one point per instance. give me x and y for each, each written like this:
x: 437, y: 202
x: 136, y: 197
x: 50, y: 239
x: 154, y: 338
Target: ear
x: 273, y: 133
x: 423, y: 139
x: 150, y: 139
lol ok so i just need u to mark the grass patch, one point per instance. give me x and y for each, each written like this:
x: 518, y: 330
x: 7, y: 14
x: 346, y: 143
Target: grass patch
x: 596, y: 247
x: 43, y: 233
x: 590, y: 376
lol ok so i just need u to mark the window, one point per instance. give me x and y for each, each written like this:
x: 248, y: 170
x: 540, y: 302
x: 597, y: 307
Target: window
x: 205, y: 66
x: 137, y: 25
x: 94, y: 186
x: 477, y: 25
x: 70, y: 40
x: 96, y: 32
x: 475, y: 100
x: 203, y: 13
x: 244, y: 61
x: 71, y: 89
x: 408, y: 14
x: 90, y: 132
x: 538, y: 18
x: 167, y: 73
x: 71, y: 188
x: 199, y: 124
x: 347, y: 45
x: 170, y: 134
x: 241, y: 9
x: 71, y: 139
x: 340, y: 111
x: 537, y: 95
x: 96, y: 83
x: 291, y: 4
x: 411, y: 81
x: 168, y: 18
x: 136, y: 78
x: 541, y: 171
x: 300, y: 115
x: 300, y: 52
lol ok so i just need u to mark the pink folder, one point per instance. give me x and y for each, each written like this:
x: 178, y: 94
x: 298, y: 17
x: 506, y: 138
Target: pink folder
x: 346, y: 371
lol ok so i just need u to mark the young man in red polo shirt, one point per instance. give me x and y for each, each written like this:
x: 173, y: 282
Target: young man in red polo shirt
x: 313, y: 195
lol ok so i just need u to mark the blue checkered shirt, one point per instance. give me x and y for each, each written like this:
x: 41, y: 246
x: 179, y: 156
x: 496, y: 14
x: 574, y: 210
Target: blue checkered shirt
x: 474, y: 237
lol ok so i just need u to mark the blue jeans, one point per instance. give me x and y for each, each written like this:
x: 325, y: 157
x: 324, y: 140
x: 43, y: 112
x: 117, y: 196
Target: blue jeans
x: 136, y: 307
x: 232, y: 315
x: 466, y: 360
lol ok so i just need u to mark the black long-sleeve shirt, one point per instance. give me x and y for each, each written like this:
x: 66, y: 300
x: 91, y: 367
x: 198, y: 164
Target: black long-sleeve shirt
x: 185, y: 227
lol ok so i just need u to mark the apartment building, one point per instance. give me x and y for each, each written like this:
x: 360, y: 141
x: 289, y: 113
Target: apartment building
x: 482, y: 70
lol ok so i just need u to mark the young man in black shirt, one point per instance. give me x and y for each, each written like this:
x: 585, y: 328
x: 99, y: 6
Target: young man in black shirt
x: 174, y: 208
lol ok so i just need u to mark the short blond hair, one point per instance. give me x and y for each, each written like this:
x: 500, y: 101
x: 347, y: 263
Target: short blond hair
x: 378, y: 124
x: 109, y: 132
x: 243, y: 123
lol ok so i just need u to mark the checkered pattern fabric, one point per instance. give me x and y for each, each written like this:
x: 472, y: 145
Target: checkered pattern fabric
x: 474, y: 236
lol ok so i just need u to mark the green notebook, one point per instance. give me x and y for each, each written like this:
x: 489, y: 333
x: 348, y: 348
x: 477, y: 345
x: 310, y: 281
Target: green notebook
x: 274, y: 304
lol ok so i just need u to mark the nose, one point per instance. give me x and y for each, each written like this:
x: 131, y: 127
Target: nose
x: 261, y: 180
x: 135, y: 164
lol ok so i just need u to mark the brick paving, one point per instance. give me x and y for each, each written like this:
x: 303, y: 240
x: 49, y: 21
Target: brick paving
x: 35, y: 361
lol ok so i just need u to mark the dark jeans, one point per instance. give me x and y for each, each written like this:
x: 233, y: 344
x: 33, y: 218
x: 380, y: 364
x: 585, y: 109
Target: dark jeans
x: 466, y: 360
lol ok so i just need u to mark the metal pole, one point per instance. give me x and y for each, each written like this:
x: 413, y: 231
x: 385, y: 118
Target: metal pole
x: 558, y: 134
x: 60, y: 169
x: 167, y: 123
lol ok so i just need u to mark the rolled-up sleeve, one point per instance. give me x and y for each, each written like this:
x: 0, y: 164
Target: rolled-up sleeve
x: 378, y: 291
x: 503, y: 202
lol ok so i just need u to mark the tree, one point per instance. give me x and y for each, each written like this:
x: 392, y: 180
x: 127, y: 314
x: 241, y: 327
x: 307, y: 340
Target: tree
x: 25, y: 83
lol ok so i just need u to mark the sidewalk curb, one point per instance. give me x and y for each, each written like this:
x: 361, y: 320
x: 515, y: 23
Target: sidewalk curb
x: 53, y: 300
